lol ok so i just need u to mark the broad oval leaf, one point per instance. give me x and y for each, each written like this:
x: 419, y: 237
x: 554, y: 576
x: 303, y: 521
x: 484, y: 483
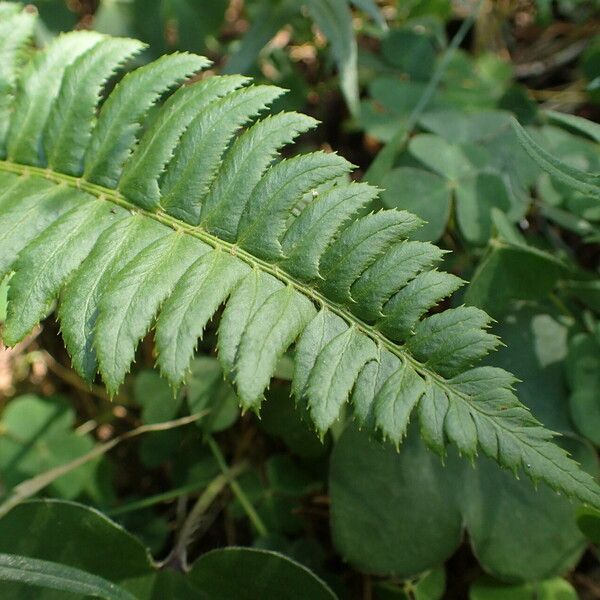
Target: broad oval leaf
x: 258, y: 574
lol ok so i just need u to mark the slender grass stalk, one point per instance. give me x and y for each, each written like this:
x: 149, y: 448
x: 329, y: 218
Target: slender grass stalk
x: 239, y: 493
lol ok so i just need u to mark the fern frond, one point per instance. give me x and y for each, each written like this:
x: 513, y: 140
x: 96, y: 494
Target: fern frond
x: 132, y: 224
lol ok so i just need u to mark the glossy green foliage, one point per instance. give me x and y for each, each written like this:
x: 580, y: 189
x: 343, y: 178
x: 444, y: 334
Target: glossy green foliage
x: 99, y: 547
x: 31, y: 572
x: 132, y: 228
x: 102, y: 560
x: 383, y: 501
x: 260, y: 574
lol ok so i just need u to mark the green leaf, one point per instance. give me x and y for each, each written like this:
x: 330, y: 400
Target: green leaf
x: 258, y: 574
x: 496, y: 505
x: 538, y: 348
x: 358, y: 246
x: 390, y: 273
x: 509, y: 272
x: 119, y: 119
x: 78, y: 537
x: 368, y: 384
x: 33, y: 202
x: 583, y: 372
x: 480, y: 186
x: 3, y: 299
x: 37, y: 435
x: 318, y: 333
x: 194, y: 300
x: 199, y: 151
x: 433, y: 409
x: 282, y: 420
x: 581, y: 125
x: 453, y: 340
x: 244, y: 303
x: 476, y: 198
x: 395, y: 401
x: 154, y: 395
x: 384, y: 502
x: 486, y: 588
x: 308, y: 236
x: 335, y: 369
x: 15, y: 33
x: 40, y: 83
x: 410, y: 499
x: 440, y: 156
x: 279, y: 191
x: 48, y: 261
x: 588, y: 521
x: 52, y: 575
x: 8, y: 9
x: 132, y: 299
x: 409, y: 51
x: 70, y: 122
x: 268, y: 335
x: 405, y: 308
x: 572, y: 222
x: 585, y: 183
x: 511, y: 269
x: 209, y: 390
x: 461, y: 127
x: 79, y: 305
x: 243, y: 168
x: 141, y: 173
x: 159, y: 404
x: 423, y: 193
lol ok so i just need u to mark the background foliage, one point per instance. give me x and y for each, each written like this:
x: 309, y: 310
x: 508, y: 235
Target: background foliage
x: 346, y: 517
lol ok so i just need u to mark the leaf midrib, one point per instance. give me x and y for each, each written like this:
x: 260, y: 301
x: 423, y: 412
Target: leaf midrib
x: 117, y: 198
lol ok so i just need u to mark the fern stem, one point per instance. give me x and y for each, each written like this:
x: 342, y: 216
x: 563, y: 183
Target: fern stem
x: 239, y: 493
x: 114, y: 196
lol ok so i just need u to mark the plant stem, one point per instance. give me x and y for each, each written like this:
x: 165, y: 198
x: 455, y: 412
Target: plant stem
x: 562, y: 307
x: 239, y: 493
x: 156, y: 499
x: 178, y: 556
x: 272, y: 269
x: 28, y: 488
